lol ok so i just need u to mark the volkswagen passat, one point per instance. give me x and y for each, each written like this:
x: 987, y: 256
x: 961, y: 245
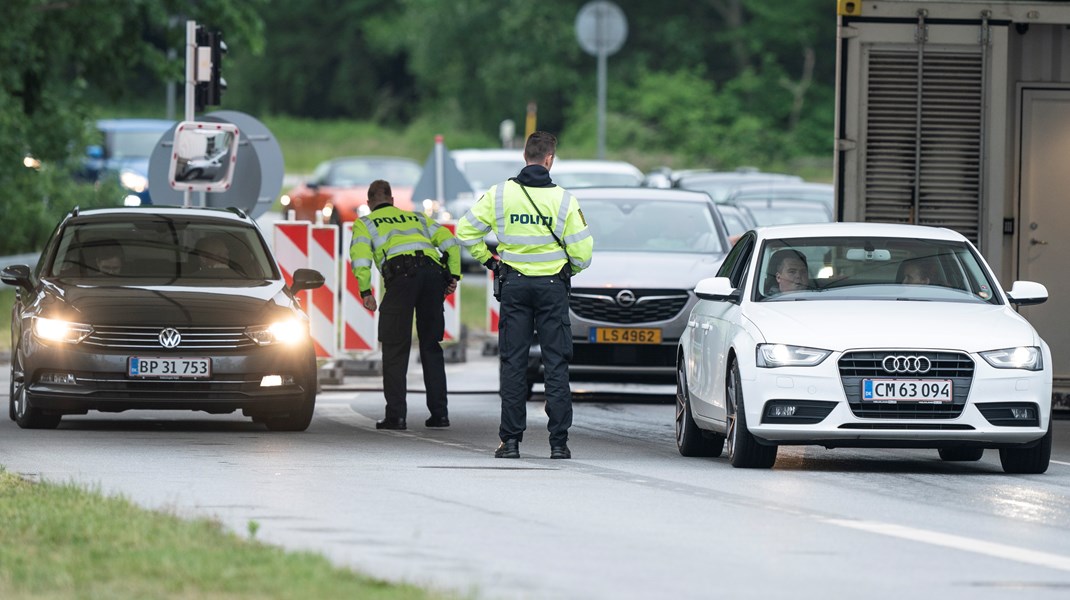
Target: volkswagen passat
x: 627, y: 311
x: 177, y: 308
x: 862, y: 335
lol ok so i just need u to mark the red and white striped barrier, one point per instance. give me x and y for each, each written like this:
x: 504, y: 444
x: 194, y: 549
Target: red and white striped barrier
x: 494, y: 308
x: 360, y: 326
x: 291, y: 240
x: 323, y: 310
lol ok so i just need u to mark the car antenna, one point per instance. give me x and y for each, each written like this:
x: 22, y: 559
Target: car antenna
x: 74, y: 211
x: 237, y: 211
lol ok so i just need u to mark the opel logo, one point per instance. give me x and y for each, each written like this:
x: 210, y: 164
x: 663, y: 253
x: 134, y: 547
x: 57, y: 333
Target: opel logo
x: 906, y: 364
x: 170, y: 338
x: 626, y: 298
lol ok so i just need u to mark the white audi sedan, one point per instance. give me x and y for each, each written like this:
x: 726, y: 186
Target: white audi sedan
x: 862, y: 335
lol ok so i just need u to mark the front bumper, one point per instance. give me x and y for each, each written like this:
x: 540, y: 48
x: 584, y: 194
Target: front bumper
x: 978, y: 422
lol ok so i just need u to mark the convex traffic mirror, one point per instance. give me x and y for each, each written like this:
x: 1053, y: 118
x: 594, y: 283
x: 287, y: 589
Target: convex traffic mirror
x: 203, y: 156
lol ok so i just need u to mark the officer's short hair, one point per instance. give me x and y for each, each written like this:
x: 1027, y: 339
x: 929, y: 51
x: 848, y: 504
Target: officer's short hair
x: 539, y: 145
x: 379, y: 186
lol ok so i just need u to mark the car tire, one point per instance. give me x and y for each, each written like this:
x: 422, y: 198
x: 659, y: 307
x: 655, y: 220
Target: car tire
x: 690, y: 440
x: 23, y: 413
x: 1032, y: 460
x: 301, y: 417
x: 744, y: 451
x: 961, y: 454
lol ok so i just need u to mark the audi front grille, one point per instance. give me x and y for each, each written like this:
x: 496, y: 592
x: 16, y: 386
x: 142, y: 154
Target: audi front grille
x: 954, y: 366
x: 627, y: 306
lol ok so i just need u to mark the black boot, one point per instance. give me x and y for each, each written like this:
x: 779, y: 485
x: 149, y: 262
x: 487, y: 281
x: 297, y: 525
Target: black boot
x: 508, y: 449
x: 390, y: 424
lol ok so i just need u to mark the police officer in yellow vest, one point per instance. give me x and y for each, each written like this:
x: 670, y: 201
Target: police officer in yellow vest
x: 542, y: 240
x: 406, y: 246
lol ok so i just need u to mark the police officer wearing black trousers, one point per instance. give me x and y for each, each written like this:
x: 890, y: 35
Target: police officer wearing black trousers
x: 543, y: 240
x: 406, y: 247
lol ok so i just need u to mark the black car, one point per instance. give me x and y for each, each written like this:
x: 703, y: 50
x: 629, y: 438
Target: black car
x: 160, y: 308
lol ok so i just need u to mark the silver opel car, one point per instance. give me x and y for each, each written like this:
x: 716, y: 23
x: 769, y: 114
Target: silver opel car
x: 629, y: 309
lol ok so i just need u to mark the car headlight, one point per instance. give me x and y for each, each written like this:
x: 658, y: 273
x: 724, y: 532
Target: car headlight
x: 134, y: 182
x: 289, y: 331
x: 1029, y: 358
x: 59, y: 330
x: 781, y: 355
x: 328, y: 209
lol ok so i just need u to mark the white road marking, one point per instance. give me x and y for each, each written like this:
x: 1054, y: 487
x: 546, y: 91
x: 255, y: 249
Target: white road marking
x: 1059, y: 462
x: 1001, y: 551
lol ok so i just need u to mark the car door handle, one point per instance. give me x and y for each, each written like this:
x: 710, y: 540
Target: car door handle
x: 1036, y: 242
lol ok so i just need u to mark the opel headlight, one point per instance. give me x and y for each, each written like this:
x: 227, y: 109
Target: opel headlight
x: 1028, y: 358
x: 289, y: 331
x: 781, y: 355
x: 133, y: 181
x: 58, y: 330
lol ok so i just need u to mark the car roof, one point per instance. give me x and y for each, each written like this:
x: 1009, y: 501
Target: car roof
x: 812, y: 230
x: 640, y: 193
x: 157, y: 210
x: 493, y: 154
x: 695, y: 176
x: 134, y: 124
x: 373, y: 158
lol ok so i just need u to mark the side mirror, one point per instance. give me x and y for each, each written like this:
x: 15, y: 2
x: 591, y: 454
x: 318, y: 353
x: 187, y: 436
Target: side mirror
x: 17, y: 275
x: 716, y: 288
x: 203, y: 156
x: 306, y: 279
x: 1024, y: 293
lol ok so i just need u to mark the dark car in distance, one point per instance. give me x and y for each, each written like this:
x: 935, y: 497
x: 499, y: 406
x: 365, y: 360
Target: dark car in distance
x: 168, y: 308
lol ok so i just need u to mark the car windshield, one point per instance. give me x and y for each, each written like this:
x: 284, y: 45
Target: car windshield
x: 787, y: 212
x: 160, y: 247
x: 595, y: 179
x: 484, y: 173
x: 852, y: 268
x: 652, y: 226
x: 353, y: 173
x: 132, y: 144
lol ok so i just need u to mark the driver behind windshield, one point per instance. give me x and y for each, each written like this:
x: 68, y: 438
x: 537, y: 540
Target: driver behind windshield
x: 790, y: 273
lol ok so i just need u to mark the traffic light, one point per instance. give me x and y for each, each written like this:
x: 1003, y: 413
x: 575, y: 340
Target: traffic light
x: 210, y: 82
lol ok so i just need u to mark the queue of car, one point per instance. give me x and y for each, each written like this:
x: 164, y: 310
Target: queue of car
x: 777, y: 326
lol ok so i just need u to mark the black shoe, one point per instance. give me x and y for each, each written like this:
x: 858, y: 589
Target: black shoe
x: 390, y: 424
x: 561, y: 451
x: 437, y: 422
x: 508, y: 449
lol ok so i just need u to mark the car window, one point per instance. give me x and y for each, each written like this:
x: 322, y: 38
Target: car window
x: 482, y: 174
x: 595, y: 179
x: 161, y: 247
x: 849, y: 268
x: 644, y: 226
x: 786, y: 213
x: 131, y: 144
x: 735, y: 264
x: 353, y: 173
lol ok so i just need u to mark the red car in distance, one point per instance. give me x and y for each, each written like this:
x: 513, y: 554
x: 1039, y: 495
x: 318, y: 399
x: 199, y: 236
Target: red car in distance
x: 339, y: 187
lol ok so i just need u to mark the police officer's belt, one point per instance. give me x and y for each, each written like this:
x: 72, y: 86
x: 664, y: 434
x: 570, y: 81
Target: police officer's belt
x: 406, y: 264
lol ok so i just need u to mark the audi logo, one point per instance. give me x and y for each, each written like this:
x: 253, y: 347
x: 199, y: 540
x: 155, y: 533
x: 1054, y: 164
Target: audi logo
x: 170, y: 338
x: 626, y: 298
x: 906, y: 364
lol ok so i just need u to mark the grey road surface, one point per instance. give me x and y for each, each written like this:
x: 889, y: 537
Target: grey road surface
x: 626, y: 518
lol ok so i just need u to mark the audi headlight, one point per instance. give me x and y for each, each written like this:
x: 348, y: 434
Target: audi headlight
x: 289, y: 331
x: 133, y: 181
x: 59, y: 330
x: 1028, y: 358
x: 771, y: 356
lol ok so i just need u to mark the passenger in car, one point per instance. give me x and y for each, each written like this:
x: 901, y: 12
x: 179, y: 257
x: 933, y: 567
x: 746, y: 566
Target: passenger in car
x: 109, y: 259
x: 918, y: 271
x: 789, y: 272
x: 213, y: 255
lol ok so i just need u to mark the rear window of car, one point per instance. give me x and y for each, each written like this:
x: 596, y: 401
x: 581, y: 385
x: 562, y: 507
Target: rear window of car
x: 162, y: 247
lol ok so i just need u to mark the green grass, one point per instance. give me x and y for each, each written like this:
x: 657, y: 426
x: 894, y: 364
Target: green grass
x: 7, y: 300
x: 64, y: 541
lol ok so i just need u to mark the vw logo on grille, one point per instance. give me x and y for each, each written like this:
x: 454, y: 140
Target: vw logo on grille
x: 626, y: 298
x: 170, y: 338
x: 906, y: 364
